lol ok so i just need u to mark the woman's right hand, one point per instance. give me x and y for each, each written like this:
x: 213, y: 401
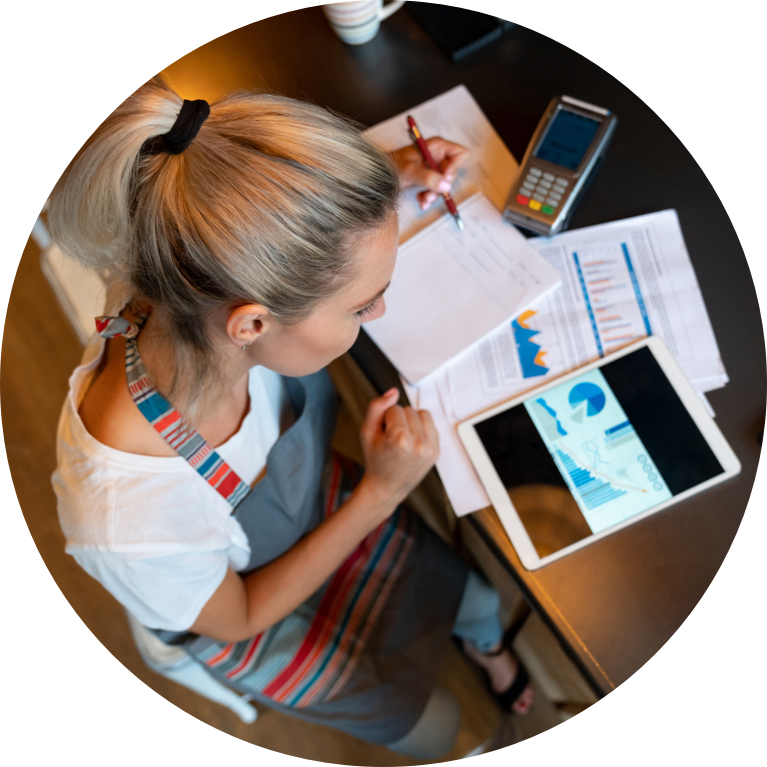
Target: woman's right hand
x: 400, y: 446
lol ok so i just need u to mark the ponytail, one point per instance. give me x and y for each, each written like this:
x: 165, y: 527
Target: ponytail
x: 262, y: 206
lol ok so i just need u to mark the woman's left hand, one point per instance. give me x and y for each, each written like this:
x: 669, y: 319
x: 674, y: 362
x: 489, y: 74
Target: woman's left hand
x: 414, y: 172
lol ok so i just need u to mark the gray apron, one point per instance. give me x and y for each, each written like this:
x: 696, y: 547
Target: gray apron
x: 361, y: 655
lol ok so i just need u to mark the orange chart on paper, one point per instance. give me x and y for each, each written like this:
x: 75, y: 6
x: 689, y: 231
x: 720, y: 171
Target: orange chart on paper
x: 530, y: 353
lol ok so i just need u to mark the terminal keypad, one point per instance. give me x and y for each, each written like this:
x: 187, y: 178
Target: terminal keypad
x: 542, y: 191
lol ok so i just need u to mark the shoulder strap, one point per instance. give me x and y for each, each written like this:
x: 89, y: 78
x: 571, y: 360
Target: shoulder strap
x: 167, y: 421
x: 178, y: 433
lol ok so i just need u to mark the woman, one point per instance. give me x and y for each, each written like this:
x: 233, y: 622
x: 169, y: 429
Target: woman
x: 250, y: 240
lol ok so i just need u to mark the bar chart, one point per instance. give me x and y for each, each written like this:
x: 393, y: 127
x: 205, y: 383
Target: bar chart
x: 612, y: 295
x: 593, y: 491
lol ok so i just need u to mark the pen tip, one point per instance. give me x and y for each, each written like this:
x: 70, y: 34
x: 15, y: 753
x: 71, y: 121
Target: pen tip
x: 459, y: 221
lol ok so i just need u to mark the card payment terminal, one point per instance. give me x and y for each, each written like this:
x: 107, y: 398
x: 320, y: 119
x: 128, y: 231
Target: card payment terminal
x: 567, y: 146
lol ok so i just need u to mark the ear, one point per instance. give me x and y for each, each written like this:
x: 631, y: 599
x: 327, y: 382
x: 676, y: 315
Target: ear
x: 247, y: 323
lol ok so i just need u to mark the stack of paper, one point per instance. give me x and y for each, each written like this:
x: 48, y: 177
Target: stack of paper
x: 620, y: 282
x: 451, y: 288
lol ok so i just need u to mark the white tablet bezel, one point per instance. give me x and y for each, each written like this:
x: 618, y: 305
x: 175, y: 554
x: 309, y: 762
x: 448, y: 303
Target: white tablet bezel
x: 499, y: 496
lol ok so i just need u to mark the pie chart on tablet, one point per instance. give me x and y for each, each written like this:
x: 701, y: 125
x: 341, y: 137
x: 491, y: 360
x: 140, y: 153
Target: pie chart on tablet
x: 588, y: 393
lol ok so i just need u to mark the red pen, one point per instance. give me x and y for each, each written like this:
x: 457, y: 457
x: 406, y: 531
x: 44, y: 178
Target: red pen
x: 429, y: 160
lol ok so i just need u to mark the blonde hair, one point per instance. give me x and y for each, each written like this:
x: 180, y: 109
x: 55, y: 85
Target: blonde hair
x: 263, y: 206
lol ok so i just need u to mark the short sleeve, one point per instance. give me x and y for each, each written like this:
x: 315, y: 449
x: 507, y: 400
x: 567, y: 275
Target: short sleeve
x: 162, y: 592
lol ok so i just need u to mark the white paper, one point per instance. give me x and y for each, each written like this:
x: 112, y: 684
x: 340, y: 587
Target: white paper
x: 454, y: 116
x: 561, y: 326
x: 705, y: 385
x: 454, y: 467
x: 451, y: 287
x: 619, y: 280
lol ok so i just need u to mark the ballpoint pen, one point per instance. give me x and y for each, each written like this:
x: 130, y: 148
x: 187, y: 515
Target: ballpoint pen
x: 429, y: 160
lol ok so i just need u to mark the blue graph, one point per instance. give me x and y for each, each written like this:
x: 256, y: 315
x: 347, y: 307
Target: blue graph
x: 594, y: 492
x: 530, y: 353
x: 591, y: 449
x: 590, y: 393
x: 553, y: 414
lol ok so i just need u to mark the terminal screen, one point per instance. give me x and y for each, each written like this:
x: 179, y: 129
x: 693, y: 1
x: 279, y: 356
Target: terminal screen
x: 567, y: 139
x: 597, y: 450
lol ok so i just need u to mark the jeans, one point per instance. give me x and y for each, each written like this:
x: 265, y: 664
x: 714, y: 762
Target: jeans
x: 477, y: 620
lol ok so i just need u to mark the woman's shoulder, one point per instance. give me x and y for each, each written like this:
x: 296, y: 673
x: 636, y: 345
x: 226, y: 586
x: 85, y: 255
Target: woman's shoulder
x: 109, y: 413
x: 131, y: 504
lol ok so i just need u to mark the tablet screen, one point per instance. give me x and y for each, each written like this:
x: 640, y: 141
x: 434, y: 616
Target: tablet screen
x: 596, y: 451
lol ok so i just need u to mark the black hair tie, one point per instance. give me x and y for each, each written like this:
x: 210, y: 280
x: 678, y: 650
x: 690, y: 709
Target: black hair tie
x: 191, y: 117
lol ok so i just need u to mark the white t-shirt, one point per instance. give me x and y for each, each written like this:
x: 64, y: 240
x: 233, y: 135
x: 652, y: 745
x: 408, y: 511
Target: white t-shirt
x: 150, y: 529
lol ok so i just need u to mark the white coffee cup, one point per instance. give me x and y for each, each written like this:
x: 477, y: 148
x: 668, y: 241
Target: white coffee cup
x: 357, y: 22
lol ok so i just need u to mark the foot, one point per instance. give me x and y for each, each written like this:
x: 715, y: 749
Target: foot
x: 501, y: 669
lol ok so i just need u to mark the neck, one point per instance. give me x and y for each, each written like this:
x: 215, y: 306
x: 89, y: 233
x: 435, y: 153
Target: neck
x: 199, y: 400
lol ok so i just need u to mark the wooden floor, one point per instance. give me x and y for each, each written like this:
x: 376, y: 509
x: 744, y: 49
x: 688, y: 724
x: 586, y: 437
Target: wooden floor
x: 39, y: 352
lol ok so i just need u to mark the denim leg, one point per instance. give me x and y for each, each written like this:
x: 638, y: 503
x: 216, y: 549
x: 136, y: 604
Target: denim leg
x: 477, y: 620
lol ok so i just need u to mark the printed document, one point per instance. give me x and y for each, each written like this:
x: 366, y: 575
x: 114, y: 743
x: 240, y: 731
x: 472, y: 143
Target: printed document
x: 620, y: 282
x: 451, y: 288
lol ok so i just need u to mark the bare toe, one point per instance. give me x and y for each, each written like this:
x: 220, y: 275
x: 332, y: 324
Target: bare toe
x: 524, y: 703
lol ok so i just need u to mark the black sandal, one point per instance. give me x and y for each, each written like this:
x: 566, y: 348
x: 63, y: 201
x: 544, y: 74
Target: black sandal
x: 511, y: 694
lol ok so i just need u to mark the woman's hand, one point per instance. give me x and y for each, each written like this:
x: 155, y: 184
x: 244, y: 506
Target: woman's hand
x: 400, y: 446
x: 414, y: 172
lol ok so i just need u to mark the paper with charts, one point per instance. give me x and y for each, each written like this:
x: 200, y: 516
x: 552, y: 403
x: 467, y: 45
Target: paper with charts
x: 455, y: 116
x: 451, y: 288
x: 620, y: 282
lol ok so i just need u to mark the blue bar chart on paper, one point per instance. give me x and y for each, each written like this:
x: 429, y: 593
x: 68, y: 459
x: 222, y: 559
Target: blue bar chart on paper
x: 613, y: 296
x: 600, y: 456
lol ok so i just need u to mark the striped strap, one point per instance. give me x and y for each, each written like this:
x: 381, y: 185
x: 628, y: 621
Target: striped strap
x: 167, y: 421
x: 111, y: 327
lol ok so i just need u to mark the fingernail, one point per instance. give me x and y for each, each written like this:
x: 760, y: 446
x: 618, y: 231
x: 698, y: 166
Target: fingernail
x: 444, y: 185
x: 450, y: 177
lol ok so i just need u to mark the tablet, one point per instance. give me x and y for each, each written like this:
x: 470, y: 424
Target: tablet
x: 596, y: 450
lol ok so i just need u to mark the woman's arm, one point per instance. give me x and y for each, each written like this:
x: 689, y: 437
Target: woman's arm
x: 400, y: 446
x: 243, y: 607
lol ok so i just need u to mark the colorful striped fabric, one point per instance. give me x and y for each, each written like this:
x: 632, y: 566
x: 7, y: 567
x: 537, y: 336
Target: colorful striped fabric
x: 167, y: 421
x: 111, y: 327
x: 309, y: 655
